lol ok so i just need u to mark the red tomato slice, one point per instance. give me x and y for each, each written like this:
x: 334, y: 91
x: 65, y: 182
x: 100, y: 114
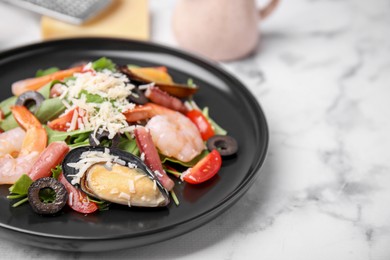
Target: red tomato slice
x: 77, y: 199
x: 204, y: 170
x: 201, y: 122
x: 62, y: 123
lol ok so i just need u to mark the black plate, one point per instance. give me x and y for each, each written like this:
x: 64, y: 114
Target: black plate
x: 231, y: 105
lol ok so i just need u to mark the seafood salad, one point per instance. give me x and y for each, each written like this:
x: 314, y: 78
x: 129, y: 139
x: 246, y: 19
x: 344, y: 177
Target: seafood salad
x: 100, y: 133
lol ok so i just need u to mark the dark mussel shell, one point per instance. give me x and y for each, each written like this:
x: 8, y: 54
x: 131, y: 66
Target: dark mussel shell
x: 74, y: 156
x: 177, y: 90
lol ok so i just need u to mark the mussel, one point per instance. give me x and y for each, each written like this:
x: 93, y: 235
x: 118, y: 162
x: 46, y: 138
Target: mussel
x: 160, y: 79
x: 115, y: 176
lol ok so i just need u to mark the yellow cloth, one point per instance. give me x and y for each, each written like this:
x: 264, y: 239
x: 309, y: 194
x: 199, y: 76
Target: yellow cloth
x: 123, y: 19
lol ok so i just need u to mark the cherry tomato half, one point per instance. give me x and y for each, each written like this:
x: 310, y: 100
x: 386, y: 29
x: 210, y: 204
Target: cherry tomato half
x: 204, y: 170
x: 201, y: 122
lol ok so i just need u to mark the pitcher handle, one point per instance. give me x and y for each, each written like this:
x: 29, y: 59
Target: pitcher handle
x: 268, y: 9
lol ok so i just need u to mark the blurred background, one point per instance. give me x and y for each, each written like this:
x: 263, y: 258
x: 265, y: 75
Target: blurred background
x: 320, y: 70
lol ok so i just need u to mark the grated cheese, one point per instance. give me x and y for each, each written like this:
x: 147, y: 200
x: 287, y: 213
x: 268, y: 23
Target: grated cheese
x: 106, y: 114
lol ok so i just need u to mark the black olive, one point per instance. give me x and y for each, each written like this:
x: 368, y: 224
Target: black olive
x: 226, y: 145
x: 104, y: 136
x: 30, y: 99
x: 137, y: 96
x: 41, y: 207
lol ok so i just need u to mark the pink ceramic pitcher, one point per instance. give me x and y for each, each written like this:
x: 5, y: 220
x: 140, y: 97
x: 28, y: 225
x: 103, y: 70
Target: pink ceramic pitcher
x: 219, y: 29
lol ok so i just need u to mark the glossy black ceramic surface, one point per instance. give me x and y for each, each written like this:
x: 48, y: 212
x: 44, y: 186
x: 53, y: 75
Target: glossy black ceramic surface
x: 230, y: 104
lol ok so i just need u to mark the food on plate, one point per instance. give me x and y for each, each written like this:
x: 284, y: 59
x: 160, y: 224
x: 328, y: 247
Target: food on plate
x: 99, y: 133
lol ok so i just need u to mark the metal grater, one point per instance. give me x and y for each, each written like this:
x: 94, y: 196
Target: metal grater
x: 71, y: 11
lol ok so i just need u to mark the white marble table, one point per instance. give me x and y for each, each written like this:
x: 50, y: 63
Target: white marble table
x: 322, y: 75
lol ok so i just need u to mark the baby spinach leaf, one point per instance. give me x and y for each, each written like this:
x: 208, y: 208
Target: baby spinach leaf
x: 20, y: 190
x: 50, y: 108
x: 103, y: 63
x: 191, y: 163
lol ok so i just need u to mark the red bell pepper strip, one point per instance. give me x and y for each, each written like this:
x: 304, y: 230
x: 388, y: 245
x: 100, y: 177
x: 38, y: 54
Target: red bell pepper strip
x: 77, y: 199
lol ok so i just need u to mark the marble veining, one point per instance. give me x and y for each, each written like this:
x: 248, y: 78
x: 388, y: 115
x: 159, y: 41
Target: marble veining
x: 321, y: 74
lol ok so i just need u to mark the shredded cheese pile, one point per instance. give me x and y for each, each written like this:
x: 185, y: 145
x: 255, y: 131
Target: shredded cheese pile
x: 111, y: 88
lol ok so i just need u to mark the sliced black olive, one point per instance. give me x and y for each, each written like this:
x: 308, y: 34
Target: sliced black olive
x: 30, y: 99
x: 103, y: 137
x: 41, y: 206
x: 226, y: 145
x: 137, y: 96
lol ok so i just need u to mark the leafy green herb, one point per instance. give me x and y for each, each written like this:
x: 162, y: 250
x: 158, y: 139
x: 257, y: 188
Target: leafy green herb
x: 103, y: 63
x: 20, y: 190
x: 45, y: 72
x: 55, y: 172
x: 92, y: 98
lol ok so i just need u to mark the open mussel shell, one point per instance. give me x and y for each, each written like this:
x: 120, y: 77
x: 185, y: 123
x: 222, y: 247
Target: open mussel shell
x: 126, y: 181
x: 174, y: 89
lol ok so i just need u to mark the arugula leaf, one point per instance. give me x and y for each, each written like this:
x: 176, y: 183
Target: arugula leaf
x: 55, y: 172
x: 217, y: 129
x: 68, y: 137
x: 191, y: 163
x: 103, y: 63
x: 128, y: 145
x: 45, y: 72
x: 20, y: 190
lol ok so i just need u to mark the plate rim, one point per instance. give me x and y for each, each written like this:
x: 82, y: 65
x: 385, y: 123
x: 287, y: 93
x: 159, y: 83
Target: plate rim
x: 212, y: 213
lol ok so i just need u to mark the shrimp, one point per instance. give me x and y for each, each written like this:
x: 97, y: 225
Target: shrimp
x: 13, y: 164
x: 11, y: 142
x: 175, y: 135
